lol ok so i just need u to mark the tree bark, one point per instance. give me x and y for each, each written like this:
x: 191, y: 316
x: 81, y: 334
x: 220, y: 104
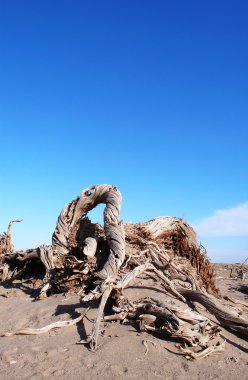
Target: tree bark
x: 100, y: 262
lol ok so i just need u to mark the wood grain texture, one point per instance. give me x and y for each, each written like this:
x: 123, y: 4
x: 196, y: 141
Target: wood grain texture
x: 100, y: 262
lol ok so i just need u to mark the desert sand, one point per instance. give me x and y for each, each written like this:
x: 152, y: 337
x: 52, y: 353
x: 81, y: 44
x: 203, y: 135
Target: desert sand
x: 124, y: 352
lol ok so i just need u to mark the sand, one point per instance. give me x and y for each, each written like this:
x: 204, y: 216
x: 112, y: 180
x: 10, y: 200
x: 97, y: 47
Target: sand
x: 123, y: 350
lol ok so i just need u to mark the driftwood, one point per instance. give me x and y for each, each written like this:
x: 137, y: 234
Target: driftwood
x: 101, y: 262
x: 6, y: 245
x: 54, y: 325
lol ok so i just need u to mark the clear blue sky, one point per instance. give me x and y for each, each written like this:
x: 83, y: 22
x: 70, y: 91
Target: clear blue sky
x: 148, y: 95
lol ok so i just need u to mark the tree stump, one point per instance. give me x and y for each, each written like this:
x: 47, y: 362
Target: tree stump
x: 99, y: 262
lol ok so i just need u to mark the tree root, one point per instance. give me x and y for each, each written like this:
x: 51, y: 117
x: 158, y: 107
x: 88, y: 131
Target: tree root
x: 42, y: 330
x: 101, y: 262
x: 225, y: 316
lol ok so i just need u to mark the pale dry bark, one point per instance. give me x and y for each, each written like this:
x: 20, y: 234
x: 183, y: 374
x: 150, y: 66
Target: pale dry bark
x: 64, y: 236
x: 226, y: 316
x: 44, y: 329
x: 6, y: 245
x: 101, y: 262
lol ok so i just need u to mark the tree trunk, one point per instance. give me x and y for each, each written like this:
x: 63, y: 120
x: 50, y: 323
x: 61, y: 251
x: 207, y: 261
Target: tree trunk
x: 99, y: 262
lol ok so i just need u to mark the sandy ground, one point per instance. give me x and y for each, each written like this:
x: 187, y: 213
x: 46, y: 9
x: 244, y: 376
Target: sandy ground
x: 122, y: 354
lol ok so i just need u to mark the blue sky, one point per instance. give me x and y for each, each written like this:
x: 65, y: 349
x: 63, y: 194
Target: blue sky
x: 148, y: 95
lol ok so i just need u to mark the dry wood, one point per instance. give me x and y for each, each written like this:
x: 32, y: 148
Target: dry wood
x: 90, y: 247
x: 237, y: 302
x: 216, y: 349
x: 6, y: 245
x: 42, y: 330
x: 225, y: 316
x: 101, y: 262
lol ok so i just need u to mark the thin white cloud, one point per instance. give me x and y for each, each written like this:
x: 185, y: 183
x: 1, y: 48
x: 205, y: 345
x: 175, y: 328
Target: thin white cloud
x: 229, y: 222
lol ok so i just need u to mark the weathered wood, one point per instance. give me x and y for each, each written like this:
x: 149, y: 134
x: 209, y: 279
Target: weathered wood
x: 90, y: 247
x: 6, y: 245
x: 225, y: 316
x: 64, y: 237
x: 44, y: 329
x: 101, y: 262
x: 47, y: 259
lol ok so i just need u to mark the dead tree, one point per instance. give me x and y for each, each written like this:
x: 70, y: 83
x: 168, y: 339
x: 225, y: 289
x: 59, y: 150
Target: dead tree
x: 101, y: 262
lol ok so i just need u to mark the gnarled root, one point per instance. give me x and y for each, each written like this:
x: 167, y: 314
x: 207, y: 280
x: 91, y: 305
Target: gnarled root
x: 103, y: 261
x: 226, y: 316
